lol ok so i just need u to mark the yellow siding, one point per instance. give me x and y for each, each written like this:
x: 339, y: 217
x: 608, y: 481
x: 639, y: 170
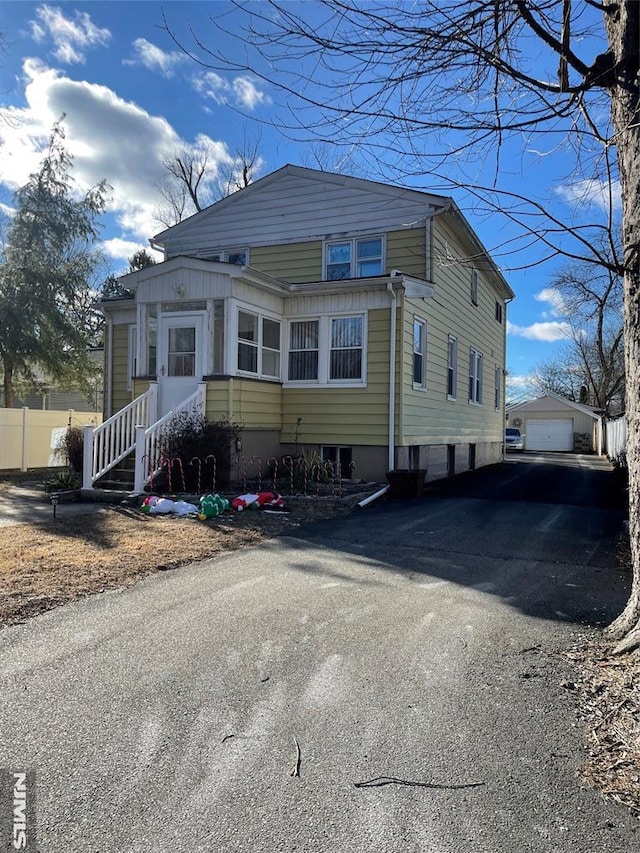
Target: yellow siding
x: 406, y: 251
x: 295, y: 262
x: 140, y: 386
x: 121, y: 395
x: 302, y: 262
x: 427, y: 416
x: 247, y: 402
x: 345, y: 415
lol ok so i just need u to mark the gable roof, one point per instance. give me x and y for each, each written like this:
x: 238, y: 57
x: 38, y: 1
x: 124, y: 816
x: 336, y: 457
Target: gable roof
x: 533, y: 405
x: 343, y: 205
x: 430, y: 200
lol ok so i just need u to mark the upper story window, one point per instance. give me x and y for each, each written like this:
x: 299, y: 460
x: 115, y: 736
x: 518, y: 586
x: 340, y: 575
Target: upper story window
x: 327, y: 350
x: 475, y: 376
x: 419, y: 353
x: 452, y: 367
x: 474, y: 287
x: 258, y: 345
x: 498, y: 311
x: 354, y: 258
x: 240, y: 257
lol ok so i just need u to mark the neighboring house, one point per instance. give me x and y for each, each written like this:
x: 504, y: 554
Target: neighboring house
x: 48, y: 395
x: 362, y: 321
x: 553, y: 423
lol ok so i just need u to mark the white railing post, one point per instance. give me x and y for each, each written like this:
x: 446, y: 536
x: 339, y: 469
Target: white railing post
x: 87, y: 457
x: 152, y: 412
x: 139, y: 470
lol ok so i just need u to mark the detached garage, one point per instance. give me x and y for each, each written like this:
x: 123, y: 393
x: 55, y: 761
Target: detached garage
x: 552, y: 423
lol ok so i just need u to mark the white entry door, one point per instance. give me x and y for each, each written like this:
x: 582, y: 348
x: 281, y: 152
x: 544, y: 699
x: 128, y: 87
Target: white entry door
x: 180, y: 358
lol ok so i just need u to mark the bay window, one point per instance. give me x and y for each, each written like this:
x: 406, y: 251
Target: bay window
x: 258, y: 345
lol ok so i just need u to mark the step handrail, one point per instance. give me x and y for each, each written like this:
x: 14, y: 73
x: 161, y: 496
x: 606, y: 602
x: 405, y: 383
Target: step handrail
x: 112, y: 441
x: 148, y: 440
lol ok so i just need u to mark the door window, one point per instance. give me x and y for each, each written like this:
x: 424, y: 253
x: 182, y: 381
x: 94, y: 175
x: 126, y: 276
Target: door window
x: 182, y: 351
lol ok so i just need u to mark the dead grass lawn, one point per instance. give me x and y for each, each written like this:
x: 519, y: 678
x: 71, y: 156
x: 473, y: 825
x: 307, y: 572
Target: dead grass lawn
x: 44, y: 565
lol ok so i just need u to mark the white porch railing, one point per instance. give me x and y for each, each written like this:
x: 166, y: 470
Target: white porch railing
x: 147, y: 443
x: 115, y: 439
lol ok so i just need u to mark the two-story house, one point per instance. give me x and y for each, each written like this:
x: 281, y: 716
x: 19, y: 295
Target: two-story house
x: 362, y: 321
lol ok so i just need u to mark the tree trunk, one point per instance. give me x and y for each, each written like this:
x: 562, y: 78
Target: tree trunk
x: 8, y: 383
x: 622, y: 21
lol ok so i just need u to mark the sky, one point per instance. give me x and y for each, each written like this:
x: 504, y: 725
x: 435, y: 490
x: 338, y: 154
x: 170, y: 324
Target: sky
x: 131, y: 98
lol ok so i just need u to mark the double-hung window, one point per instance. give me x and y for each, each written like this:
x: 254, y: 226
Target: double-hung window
x: 354, y: 258
x: 474, y: 287
x: 327, y: 350
x: 345, y: 359
x: 452, y: 368
x: 475, y: 376
x: 304, y: 347
x: 419, y: 353
x: 258, y: 345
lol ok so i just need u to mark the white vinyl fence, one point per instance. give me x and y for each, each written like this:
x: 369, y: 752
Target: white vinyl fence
x: 29, y: 437
x: 616, y: 437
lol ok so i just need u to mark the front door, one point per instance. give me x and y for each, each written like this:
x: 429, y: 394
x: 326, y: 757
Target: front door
x: 180, y: 358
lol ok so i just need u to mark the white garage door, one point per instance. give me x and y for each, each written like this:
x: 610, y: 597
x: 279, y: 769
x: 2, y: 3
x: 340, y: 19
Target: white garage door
x: 556, y: 434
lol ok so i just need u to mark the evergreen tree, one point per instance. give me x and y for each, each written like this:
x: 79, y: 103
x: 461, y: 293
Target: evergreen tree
x: 46, y: 269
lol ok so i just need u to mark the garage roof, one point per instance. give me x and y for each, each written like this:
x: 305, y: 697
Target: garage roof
x: 549, y: 403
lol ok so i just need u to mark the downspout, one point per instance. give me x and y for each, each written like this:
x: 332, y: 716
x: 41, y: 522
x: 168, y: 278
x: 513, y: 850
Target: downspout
x: 392, y: 373
x: 108, y: 402
x: 504, y: 382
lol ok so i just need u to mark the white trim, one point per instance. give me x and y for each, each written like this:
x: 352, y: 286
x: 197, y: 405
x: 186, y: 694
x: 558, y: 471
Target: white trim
x: 452, y: 339
x: 260, y: 316
x: 324, y: 352
x: 422, y: 385
x: 475, y: 299
x: 476, y: 375
x: 223, y: 255
x: 353, y: 261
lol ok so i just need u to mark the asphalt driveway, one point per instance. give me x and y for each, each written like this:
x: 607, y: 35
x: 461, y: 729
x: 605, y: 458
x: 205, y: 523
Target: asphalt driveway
x: 413, y: 651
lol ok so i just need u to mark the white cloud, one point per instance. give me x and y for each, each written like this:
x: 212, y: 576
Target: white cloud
x: 242, y: 90
x: 122, y: 250
x: 247, y: 93
x: 108, y: 137
x: 592, y: 192
x: 70, y: 37
x: 548, y: 332
x: 553, y: 298
x: 518, y: 382
x: 154, y: 58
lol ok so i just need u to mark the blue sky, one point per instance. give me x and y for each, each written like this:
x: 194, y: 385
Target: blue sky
x: 132, y: 98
